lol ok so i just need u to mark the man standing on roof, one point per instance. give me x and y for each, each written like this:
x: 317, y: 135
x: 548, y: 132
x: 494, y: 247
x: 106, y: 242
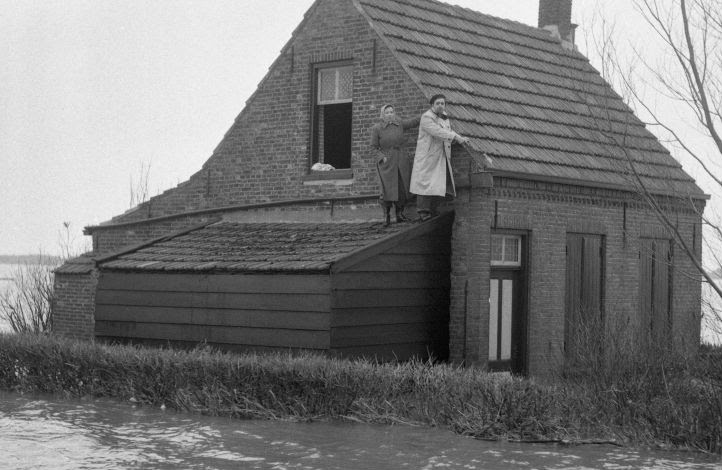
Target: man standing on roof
x: 431, y: 177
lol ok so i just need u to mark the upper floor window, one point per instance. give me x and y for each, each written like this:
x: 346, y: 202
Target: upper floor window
x: 332, y: 115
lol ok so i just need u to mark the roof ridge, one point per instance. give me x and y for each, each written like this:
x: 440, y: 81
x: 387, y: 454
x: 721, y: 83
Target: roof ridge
x: 528, y: 30
x: 540, y: 35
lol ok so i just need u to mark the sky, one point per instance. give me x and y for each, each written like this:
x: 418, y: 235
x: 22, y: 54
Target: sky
x: 92, y: 91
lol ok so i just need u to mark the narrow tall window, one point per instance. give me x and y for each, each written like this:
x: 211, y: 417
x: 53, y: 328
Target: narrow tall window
x: 332, y: 116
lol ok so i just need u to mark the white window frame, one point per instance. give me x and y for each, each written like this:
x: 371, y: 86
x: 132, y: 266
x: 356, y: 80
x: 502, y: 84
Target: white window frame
x: 337, y: 71
x: 504, y: 262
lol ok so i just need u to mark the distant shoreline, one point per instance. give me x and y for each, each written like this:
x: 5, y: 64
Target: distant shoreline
x: 30, y: 259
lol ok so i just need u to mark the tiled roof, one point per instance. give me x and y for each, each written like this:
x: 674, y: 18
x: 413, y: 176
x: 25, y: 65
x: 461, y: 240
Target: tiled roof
x: 256, y: 247
x: 82, y: 264
x: 534, y: 107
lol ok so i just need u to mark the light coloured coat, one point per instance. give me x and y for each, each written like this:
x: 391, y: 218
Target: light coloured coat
x: 433, y: 155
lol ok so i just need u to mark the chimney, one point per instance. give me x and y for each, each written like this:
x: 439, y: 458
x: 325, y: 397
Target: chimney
x: 556, y: 17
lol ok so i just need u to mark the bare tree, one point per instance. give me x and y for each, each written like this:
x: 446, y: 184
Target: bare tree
x: 689, y: 75
x: 139, y: 192
x: 26, y: 303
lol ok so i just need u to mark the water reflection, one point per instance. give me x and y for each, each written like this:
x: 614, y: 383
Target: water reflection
x: 55, y: 434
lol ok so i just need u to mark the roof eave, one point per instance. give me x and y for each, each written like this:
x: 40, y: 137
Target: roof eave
x: 589, y: 184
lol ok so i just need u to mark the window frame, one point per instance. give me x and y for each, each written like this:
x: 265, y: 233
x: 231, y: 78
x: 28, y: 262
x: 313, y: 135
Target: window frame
x: 503, y: 262
x: 318, y: 100
x: 313, y: 143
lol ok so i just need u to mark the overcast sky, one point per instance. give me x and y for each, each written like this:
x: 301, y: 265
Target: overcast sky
x: 91, y: 90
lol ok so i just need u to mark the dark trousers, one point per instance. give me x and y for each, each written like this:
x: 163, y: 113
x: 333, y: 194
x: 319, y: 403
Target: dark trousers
x: 427, y: 204
x: 403, y: 197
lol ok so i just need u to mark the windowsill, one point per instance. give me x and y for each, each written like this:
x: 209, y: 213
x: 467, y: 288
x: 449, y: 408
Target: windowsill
x: 344, y: 176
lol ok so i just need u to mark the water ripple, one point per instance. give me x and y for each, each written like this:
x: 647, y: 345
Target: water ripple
x: 49, y: 433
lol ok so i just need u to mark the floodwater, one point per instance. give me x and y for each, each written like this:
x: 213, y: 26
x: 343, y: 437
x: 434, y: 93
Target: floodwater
x: 50, y: 433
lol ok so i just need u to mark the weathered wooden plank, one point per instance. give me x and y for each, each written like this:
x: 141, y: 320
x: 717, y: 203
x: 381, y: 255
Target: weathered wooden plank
x: 391, y: 280
x: 217, y: 317
x: 237, y: 348
x: 573, y: 292
x: 403, y: 262
x: 592, y: 279
x: 383, y: 246
x: 285, y: 302
x: 389, y: 298
x: 269, y: 337
x: 210, y: 282
x: 424, y: 245
x: 387, y: 334
x: 388, y: 315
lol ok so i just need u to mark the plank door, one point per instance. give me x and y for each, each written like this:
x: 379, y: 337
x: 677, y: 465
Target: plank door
x: 507, y: 305
x: 655, y: 259
x: 584, y: 323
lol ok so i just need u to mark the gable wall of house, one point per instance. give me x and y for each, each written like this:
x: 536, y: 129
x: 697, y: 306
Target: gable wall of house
x: 264, y: 156
x: 546, y: 214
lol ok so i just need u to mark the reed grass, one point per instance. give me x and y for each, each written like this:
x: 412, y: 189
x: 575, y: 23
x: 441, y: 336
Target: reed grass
x: 678, y: 411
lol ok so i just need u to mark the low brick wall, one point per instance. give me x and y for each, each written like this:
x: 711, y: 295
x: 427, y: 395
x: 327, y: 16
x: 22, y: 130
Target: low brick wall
x: 74, y: 304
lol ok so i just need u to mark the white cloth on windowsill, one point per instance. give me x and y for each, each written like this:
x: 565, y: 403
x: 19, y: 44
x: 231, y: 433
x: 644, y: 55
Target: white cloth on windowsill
x: 322, y: 167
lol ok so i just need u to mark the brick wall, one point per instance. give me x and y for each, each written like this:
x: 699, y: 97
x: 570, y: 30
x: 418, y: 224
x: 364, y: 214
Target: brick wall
x: 547, y: 213
x: 74, y: 304
x: 264, y: 156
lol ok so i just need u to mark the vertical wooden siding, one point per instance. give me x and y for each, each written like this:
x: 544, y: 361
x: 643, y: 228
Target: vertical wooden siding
x: 395, y: 305
x: 235, y: 310
x: 584, y: 291
x: 654, y: 289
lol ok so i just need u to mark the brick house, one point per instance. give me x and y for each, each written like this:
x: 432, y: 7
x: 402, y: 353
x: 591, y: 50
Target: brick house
x: 548, y: 233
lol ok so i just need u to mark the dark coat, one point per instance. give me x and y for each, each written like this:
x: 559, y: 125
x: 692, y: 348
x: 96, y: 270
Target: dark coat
x: 387, y: 138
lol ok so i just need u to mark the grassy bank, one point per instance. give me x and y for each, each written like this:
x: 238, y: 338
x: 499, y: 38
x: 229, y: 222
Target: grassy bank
x: 679, y: 408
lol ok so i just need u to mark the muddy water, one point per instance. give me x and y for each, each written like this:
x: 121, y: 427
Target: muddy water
x: 48, y: 433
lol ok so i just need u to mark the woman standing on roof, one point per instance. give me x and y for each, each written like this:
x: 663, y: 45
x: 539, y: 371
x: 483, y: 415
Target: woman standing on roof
x: 392, y: 163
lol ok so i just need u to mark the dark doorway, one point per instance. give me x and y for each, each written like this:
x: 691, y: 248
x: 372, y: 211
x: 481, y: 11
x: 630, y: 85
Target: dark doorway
x: 508, y: 304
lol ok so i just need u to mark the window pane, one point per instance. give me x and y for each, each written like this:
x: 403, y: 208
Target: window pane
x: 493, y: 319
x: 345, y: 83
x: 326, y: 85
x: 506, y: 300
x: 496, y: 254
x: 511, y: 249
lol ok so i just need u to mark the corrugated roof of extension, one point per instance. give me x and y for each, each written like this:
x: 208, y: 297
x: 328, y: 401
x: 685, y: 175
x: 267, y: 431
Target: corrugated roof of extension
x: 264, y: 247
x: 535, y: 108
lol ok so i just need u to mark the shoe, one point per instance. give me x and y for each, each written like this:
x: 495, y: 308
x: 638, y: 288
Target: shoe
x: 423, y: 216
x: 400, y: 217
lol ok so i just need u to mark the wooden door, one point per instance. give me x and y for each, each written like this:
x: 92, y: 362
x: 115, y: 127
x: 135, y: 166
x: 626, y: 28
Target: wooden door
x: 584, y: 325
x: 655, y: 258
x: 507, y: 321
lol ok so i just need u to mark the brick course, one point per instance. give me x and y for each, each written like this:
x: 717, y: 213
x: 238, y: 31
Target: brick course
x: 74, y: 305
